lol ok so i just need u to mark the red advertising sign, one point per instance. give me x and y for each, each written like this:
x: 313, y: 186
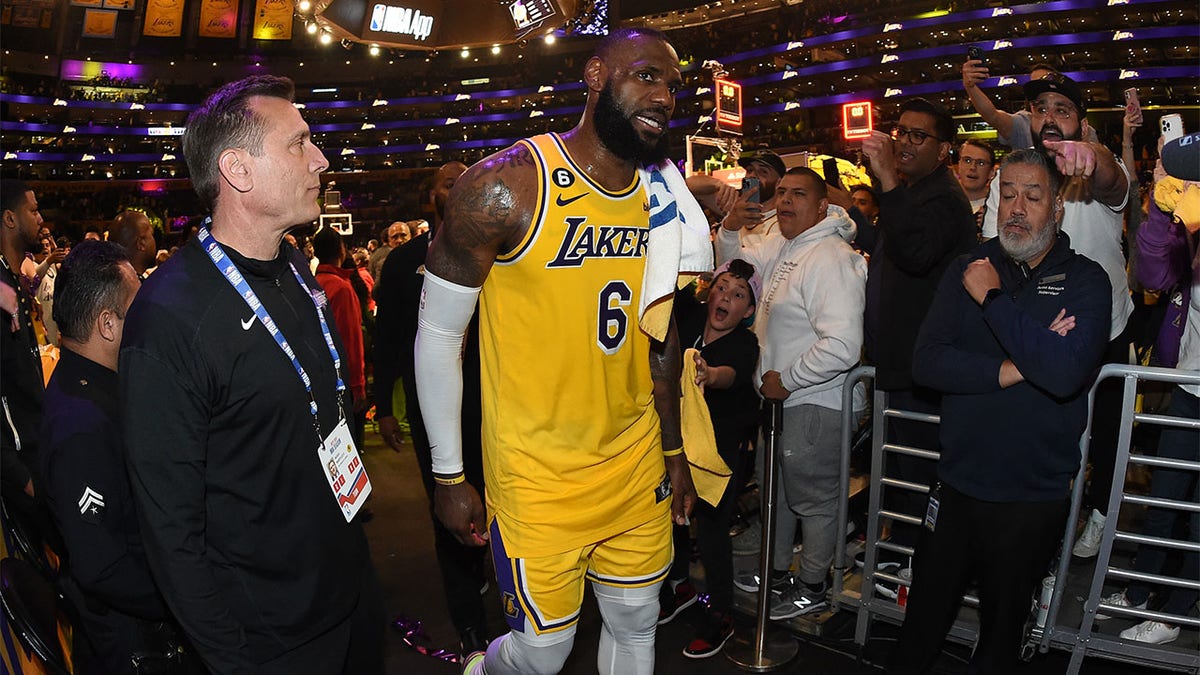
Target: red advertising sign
x: 856, y: 120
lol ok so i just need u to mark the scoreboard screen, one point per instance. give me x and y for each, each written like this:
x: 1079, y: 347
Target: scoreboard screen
x: 856, y: 120
x: 729, y: 106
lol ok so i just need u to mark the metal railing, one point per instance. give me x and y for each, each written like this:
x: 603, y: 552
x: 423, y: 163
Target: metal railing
x: 1085, y: 641
x: 1082, y: 641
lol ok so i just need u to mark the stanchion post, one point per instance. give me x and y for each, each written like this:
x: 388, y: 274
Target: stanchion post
x: 771, y: 648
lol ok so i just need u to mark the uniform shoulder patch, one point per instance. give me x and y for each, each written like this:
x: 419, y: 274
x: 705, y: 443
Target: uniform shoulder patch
x: 91, y: 506
x: 562, y: 177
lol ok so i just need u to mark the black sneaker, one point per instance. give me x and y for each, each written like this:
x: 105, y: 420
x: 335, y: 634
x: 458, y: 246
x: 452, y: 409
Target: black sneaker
x: 748, y: 541
x: 672, y: 603
x: 748, y: 581
x: 716, y: 632
x: 798, y: 600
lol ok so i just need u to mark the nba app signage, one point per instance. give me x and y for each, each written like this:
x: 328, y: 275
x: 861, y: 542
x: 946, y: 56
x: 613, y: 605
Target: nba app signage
x: 401, y: 21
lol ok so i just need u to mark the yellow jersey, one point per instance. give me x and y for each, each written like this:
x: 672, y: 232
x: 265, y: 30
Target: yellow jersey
x: 571, y: 439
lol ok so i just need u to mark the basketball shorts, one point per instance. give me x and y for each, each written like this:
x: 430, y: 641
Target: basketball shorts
x: 545, y: 594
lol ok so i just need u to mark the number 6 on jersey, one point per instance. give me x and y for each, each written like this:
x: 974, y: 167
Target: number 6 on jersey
x: 613, y: 323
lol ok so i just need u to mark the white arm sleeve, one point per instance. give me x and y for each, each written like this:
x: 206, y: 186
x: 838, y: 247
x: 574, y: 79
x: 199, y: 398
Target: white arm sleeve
x: 446, y: 310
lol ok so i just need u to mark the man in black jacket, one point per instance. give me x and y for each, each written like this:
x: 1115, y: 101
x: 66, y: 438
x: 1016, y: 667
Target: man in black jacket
x: 1015, y: 332
x: 21, y: 384
x: 233, y: 391
x: 397, y: 299
x: 924, y: 222
x: 83, y: 462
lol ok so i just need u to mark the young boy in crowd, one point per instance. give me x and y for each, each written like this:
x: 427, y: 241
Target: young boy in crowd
x: 728, y: 353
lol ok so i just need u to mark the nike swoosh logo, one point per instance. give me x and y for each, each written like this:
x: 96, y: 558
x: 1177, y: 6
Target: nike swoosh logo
x: 563, y: 202
x: 247, y: 323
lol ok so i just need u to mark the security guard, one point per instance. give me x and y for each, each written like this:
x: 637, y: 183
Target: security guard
x: 124, y: 616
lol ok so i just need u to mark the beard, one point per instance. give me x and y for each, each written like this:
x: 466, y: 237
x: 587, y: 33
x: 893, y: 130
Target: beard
x: 616, y: 132
x: 1026, y: 248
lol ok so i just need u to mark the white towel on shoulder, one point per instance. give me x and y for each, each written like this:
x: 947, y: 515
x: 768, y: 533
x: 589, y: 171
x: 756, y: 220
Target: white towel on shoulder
x: 678, y: 244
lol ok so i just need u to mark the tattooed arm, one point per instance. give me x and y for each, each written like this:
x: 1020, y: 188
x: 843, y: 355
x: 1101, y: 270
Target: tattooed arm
x: 488, y: 212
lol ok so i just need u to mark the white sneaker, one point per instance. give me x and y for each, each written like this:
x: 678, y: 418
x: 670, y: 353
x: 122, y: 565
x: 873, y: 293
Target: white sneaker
x: 1151, y: 632
x: 1118, y: 599
x: 1088, y: 543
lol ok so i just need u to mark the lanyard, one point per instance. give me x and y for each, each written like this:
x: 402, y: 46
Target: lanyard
x: 235, y: 279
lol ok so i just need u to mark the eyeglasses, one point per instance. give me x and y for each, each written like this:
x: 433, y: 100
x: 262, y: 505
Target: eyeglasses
x: 915, y: 136
x: 981, y: 163
x: 1062, y: 112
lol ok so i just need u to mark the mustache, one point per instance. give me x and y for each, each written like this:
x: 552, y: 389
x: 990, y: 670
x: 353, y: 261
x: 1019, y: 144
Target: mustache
x: 657, y: 110
x: 1017, y: 221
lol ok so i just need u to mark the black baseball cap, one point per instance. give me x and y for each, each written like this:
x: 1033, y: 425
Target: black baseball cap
x: 1059, y: 84
x: 766, y: 157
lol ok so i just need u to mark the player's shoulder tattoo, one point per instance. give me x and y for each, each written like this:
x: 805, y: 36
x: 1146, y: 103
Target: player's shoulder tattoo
x: 491, y: 200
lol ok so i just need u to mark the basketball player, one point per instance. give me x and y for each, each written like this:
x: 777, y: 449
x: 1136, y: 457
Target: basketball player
x: 580, y: 407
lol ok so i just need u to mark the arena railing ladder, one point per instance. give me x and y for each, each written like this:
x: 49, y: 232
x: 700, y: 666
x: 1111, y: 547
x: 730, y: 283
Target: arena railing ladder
x: 867, y: 602
x: 1081, y: 642
x: 1084, y: 641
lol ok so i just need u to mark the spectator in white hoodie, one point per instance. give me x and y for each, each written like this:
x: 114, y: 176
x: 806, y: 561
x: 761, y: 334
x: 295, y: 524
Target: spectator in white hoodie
x: 810, y: 327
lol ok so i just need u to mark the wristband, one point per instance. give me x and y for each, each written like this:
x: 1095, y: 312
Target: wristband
x: 673, y: 453
x: 449, y: 480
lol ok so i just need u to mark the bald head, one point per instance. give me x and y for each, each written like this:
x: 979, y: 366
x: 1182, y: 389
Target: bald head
x: 397, y: 234
x: 631, y: 85
x: 443, y: 180
x: 133, y: 231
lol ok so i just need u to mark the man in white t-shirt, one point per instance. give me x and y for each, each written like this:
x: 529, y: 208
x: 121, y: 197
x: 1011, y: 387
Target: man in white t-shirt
x: 1014, y: 130
x: 752, y: 214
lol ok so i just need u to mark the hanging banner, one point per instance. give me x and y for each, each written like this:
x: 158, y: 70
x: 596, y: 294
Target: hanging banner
x: 218, y: 18
x: 99, y: 23
x: 119, y: 4
x: 24, y: 16
x: 164, y: 18
x: 273, y: 20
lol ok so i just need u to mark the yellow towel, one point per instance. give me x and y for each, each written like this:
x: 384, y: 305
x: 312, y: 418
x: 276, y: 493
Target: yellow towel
x: 1167, y: 193
x: 1187, y: 209
x: 710, y: 473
